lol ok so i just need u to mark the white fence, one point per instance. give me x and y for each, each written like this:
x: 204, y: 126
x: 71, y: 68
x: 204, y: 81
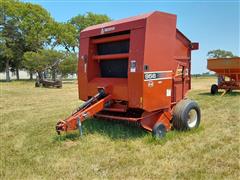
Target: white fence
x: 22, y: 75
x: 25, y: 75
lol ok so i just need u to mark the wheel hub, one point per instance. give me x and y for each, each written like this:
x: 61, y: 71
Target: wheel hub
x: 192, y: 118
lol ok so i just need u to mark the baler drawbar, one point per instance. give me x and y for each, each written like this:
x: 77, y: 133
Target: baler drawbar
x: 86, y: 110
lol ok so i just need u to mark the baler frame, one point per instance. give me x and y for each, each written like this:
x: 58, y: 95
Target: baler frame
x: 102, y: 101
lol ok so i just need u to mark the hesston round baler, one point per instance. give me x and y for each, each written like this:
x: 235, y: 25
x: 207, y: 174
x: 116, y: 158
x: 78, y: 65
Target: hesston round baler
x: 228, y: 72
x: 136, y: 69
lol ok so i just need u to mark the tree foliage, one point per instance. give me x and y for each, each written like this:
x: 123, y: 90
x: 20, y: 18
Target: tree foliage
x: 63, y: 34
x: 69, y: 64
x: 34, y: 61
x: 218, y: 53
x: 27, y: 29
x: 39, y: 61
x: 24, y: 27
x: 10, y: 37
x: 35, y: 24
x: 52, y: 60
x: 81, y: 22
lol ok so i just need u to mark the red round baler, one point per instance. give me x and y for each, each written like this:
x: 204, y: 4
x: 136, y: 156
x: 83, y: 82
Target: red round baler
x: 136, y: 69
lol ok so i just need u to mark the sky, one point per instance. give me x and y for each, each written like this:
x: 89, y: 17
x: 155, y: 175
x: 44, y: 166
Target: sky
x: 212, y: 23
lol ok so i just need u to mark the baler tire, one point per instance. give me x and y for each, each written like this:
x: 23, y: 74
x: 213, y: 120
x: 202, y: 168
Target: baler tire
x: 159, y: 130
x: 181, y: 115
x: 214, y: 89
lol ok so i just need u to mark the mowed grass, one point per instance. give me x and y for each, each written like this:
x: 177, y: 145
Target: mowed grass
x: 30, y: 148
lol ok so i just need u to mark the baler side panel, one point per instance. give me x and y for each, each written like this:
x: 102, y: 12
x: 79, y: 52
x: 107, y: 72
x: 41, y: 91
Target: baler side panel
x: 157, y: 94
x: 135, y: 82
x: 82, y: 68
x: 93, y: 69
x: 182, y: 70
x: 159, y: 56
x: 119, y: 88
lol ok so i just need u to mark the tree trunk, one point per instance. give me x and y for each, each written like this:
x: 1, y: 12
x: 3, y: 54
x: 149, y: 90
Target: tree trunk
x: 54, y: 74
x: 45, y: 74
x: 31, y: 75
x: 17, y: 73
x: 40, y: 76
x: 7, y: 71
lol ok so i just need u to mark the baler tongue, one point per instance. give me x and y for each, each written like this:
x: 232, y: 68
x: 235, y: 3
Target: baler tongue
x: 86, y: 110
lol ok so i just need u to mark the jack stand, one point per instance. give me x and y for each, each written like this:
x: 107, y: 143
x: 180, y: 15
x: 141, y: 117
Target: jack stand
x: 79, y: 126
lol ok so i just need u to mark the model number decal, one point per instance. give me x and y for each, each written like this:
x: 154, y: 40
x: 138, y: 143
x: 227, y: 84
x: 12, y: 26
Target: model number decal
x: 157, y: 75
x: 150, y: 76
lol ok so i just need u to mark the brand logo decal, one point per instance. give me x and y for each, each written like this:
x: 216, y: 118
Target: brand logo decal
x: 108, y: 29
x: 150, y: 84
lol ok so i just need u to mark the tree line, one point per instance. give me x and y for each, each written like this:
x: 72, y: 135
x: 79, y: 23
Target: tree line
x: 30, y: 39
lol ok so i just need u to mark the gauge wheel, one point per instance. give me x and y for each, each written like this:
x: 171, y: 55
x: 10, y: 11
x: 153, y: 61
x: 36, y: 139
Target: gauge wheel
x: 159, y: 130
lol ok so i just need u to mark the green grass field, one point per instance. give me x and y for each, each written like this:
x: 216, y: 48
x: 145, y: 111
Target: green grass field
x: 30, y: 148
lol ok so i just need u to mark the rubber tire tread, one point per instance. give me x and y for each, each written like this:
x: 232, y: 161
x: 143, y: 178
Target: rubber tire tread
x: 179, y: 123
x: 214, y: 89
x: 155, y: 130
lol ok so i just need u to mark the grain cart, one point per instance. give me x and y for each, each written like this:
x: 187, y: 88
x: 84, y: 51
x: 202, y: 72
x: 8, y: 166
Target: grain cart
x: 225, y: 67
x: 136, y: 69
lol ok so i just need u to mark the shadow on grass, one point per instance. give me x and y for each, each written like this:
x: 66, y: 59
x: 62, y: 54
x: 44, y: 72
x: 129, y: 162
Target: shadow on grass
x: 173, y: 135
x: 234, y: 93
x: 69, y: 82
x: 67, y: 136
x: 110, y: 128
x: 122, y: 130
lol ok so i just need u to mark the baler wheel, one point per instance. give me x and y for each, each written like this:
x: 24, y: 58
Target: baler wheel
x: 186, y: 115
x: 214, y: 89
x: 159, y: 130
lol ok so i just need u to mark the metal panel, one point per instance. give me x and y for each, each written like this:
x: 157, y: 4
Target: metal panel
x: 155, y: 44
x: 160, y: 44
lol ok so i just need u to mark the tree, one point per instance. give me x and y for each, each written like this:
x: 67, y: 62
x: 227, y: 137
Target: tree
x: 34, y: 62
x: 35, y: 26
x: 9, y: 35
x: 69, y: 64
x: 24, y: 27
x: 63, y: 34
x: 42, y: 60
x: 81, y: 22
x: 218, y: 53
x: 52, y: 58
x: 6, y: 55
